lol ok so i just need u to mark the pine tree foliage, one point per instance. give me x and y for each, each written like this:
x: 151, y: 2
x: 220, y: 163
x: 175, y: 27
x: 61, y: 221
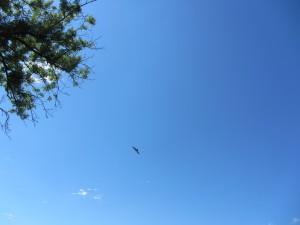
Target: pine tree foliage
x: 41, y: 53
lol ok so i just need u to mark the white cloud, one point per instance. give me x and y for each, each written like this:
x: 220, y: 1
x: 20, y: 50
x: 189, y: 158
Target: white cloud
x: 97, y: 197
x: 295, y: 220
x: 39, y: 80
x: 92, y: 189
x: 81, y: 192
x: 91, y: 193
x: 43, y: 65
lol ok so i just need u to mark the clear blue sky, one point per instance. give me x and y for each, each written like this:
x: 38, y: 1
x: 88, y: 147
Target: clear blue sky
x: 209, y: 92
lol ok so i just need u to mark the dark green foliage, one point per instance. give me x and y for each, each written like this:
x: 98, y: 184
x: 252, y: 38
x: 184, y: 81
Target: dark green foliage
x: 41, y: 44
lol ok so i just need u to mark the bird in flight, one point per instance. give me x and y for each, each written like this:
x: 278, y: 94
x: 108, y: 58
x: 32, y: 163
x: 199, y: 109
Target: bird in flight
x: 135, y: 149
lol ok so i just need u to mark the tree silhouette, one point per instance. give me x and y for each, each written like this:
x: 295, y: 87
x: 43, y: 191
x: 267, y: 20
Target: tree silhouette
x: 41, y: 54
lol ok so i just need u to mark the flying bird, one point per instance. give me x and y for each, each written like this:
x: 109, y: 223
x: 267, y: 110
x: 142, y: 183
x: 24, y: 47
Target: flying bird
x: 135, y: 149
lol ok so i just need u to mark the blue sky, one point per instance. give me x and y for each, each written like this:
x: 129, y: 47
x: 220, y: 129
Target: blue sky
x: 209, y: 93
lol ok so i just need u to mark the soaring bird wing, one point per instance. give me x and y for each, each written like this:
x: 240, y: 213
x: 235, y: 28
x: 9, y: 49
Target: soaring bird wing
x: 137, y: 151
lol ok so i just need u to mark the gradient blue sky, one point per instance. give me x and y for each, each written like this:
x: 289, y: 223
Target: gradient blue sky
x: 208, y: 90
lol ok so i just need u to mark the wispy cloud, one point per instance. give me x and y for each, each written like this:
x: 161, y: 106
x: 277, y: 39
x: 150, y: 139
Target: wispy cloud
x: 92, y: 189
x: 9, y: 216
x: 81, y: 192
x: 89, y: 193
x: 97, y: 197
x: 295, y: 220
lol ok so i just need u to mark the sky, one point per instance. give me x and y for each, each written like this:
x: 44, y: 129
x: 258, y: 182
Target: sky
x: 208, y: 90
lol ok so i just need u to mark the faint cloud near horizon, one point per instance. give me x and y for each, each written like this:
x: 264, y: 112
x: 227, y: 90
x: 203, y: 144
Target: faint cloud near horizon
x: 7, y: 159
x: 9, y: 216
x: 89, y: 193
x: 146, y: 181
x: 295, y: 220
